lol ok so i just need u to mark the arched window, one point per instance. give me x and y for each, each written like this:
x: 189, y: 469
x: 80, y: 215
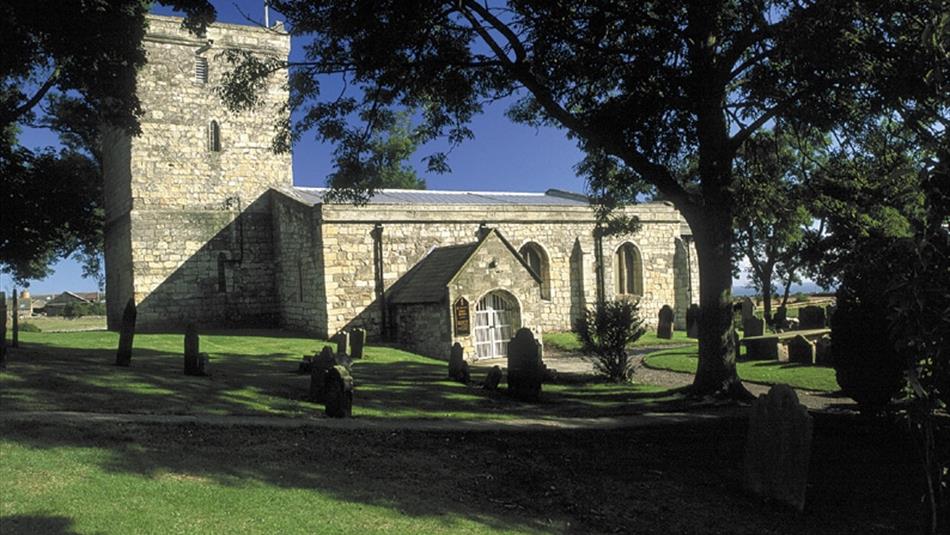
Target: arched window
x: 214, y: 137
x: 537, y: 259
x: 628, y: 270
x: 222, y: 273
x: 201, y: 69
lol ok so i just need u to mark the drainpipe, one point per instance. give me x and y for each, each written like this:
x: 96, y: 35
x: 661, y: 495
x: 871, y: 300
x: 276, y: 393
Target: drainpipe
x: 599, y: 263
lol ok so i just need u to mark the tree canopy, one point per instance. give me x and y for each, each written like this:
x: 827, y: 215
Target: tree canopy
x: 641, y: 86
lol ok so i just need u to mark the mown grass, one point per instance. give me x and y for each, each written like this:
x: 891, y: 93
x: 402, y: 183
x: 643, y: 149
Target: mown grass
x: 567, y: 340
x: 59, y: 323
x: 255, y: 374
x: 767, y: 372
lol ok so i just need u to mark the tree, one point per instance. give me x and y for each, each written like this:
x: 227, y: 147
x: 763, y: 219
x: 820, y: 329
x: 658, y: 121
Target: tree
x: 69, y: 67
x: 388, y: 160
x: 771, y: 195
x: 605, y: 331
x: 641, y: 85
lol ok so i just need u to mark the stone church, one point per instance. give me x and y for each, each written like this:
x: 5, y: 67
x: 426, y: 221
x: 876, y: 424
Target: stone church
x: 205, y: 225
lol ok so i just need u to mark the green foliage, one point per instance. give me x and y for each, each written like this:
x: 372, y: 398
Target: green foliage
x: 29, y: 328
x: 605, y: 332
x: 79, y: 310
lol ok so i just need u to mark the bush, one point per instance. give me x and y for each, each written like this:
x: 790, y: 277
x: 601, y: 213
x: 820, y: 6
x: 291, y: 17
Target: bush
x: 78, y: 310
x: 29, y: 328
x: 800, y: 297
x: 605, y: 331
x: 867, y: 366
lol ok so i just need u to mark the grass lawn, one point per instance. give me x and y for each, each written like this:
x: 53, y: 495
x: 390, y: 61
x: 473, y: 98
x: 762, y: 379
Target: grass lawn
x: 759, y: 371
x: 163, y: 478
x: 59, y: 323
x: 255, y: 374
x: 567, y: 340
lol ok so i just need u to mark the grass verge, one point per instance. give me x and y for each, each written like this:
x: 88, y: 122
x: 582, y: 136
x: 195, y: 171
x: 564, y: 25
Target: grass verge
x: 567, y: 340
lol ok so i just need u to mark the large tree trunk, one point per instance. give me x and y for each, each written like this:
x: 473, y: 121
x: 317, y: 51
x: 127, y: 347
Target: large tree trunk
x: 716, y: 373
x: 766, y: 284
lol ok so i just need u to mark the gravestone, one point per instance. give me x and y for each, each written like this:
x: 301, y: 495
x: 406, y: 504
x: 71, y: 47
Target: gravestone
x: 342, y: 359
x: 801, y: 350
x: 525, y: 366
x: 753, y: 326
x: 319, y: 365
x: 664, y: 328
x: 357, y: 342
x: 304, y: 366
x: 123, y: 357
x: 15, y: 338
x: 823, y: 351
x: 748, y: 309
x: 192, y: 352
x: 778, y: 447
x: 456, y: 360
x: 339, y: 393
x: 692, y: 321
x: 492, y: 379
x: 780, y: 319
x: 3, y: 330
x: 342, y: 341
x: 811, y: 317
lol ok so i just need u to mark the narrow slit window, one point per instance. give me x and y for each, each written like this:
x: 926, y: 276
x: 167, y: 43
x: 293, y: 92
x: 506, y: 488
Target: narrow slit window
x: 214, y: 137
x: 201, y: 69
x: 222, y: 273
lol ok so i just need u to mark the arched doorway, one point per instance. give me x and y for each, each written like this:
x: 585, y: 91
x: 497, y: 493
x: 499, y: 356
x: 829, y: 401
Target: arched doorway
x: 497, y: 317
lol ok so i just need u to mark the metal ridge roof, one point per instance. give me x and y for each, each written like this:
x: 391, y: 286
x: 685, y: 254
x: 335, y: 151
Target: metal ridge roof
x: 404, y: 196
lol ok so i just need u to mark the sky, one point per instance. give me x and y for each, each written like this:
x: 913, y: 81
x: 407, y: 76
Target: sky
x: 503, y: 156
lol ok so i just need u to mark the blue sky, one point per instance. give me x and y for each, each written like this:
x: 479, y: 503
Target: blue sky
x: 504, y: 156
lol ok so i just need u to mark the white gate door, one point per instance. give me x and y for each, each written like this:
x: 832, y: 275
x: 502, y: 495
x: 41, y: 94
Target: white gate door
x: 493, y: 325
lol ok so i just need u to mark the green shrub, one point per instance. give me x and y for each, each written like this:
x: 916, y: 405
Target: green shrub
x: 800, y: 297
x: 605, y: 331
x: 29, y: 328
x: 867, y: 366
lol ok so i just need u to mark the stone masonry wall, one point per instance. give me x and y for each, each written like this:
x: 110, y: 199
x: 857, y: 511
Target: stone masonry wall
x: 187, y: 204
x: 424, y: 328
x: 298, y: 266
x: 565, y: 234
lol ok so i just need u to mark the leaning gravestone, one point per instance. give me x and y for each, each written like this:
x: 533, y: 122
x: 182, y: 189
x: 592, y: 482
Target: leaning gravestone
x: 753, y: 326
x: 823, y: 351
x: 664, y: 328
x: 3, y: 330
x: 692, y: 321
x: 778, y: 447
x: 319, y: 365
x: 342, y: 340
x: 456, y: 359
x: 811, y: 317
x: 525, y: 367
x: 357, y: 342
x: 339, y: 393
x: 123, y: 357
x: 492, y: 379
x: 801, y: 350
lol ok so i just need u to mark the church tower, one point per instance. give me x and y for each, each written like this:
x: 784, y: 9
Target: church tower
x: 188, y: 224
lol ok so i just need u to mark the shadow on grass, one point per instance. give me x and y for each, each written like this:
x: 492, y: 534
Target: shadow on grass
x: 34, y: 524
x: 669, y: 479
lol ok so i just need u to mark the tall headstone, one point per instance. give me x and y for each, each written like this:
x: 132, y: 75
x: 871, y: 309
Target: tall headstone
x: 778, y: 447
x: 342, y: 341
x: 811, y: 317
x: 123, y: 357
x: 748, y: 309
x: 753, y: 326
x: 780, y: 319
x: 801, y: 350
x: 319, y: 365
x: 692, y: 321
x: 357, y: 342
x: 664, y: 328
x: 525, y: 366
x: 3, y: 330
x: 823, y: 351
x: 339, y: 393
x: 193, y: 360
x: 15, y: 342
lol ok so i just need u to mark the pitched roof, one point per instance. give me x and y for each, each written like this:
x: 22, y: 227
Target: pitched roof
x: 551, y: 197
x: 427, y: 280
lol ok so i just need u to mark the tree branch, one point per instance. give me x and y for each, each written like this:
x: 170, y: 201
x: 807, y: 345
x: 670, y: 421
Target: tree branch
x: 33, y: 101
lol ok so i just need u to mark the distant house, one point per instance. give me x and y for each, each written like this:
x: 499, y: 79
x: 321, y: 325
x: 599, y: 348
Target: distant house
x: 57, y: 305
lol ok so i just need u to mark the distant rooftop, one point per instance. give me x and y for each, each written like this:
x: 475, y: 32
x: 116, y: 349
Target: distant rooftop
x: 551, y: 197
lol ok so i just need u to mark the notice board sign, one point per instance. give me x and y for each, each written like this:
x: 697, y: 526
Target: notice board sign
x: 463, y: 320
